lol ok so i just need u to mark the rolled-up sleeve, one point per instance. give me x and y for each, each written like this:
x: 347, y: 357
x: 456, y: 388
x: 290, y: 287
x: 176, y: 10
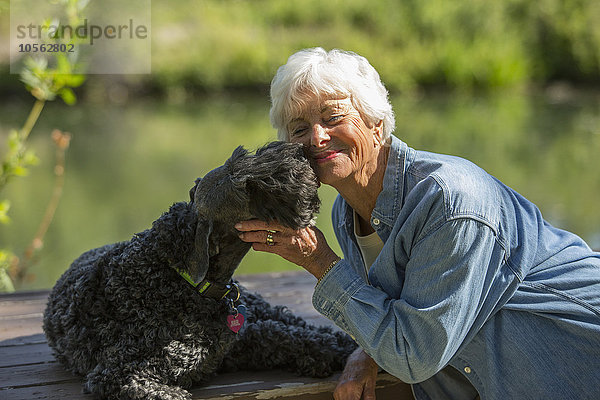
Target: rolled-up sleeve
x: 447, y: 278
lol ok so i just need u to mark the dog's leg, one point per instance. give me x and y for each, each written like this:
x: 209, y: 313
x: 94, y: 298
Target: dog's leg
x: 260, y: 309
x: 276, y: 338
x: 132, y: 382
x: 146, y: 385
x: 274, y: 345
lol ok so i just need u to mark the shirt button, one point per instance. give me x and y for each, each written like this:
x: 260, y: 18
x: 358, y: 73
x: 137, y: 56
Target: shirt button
x: 376, y: 221
x: 468, y: 370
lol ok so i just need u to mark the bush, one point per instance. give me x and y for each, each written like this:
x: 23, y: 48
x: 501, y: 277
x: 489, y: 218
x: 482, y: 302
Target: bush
x: 222, y: 44
x: 468, y: 44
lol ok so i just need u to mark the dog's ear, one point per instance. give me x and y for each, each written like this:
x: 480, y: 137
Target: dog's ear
x: 193, y: 190
x: 282, y: 185
x: 198, y: 262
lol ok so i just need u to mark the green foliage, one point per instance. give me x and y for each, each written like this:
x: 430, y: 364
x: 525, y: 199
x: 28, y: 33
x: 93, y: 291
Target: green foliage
x: 17, y: 159
x: 46, y: 83
x: 6, y: 284
x: 469, y: 44
x: 217, y: 44
x: 4, y: 207
x: 44, y: 78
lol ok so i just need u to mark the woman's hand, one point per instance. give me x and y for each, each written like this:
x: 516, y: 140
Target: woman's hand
x: 306, y: 247
x: 358, y: 380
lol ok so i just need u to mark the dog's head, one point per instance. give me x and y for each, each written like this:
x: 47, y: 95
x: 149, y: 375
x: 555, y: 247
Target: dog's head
x: 274, y: 184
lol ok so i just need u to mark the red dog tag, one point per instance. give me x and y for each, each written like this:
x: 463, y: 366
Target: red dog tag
x: 235, y: 322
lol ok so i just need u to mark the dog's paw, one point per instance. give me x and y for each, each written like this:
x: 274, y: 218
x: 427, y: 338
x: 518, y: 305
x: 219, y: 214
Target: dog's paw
x: 152, y: 390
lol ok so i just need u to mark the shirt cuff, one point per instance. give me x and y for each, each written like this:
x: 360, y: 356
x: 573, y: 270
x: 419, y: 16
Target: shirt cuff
x: 334, y: 291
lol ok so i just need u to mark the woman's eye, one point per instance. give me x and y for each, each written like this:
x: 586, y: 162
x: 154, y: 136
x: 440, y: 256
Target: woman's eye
x: 298, y: 131
x: 334, y: 118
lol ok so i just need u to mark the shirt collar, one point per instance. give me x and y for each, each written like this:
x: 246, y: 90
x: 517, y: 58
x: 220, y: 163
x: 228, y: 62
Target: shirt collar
x: 389, y: 202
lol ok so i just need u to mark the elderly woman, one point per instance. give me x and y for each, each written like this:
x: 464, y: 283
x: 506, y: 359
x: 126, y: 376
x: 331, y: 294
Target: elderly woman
x: 450, y: 280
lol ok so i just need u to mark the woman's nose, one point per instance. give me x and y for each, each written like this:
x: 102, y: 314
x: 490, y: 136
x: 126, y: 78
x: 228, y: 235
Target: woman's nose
x: 319, y: 136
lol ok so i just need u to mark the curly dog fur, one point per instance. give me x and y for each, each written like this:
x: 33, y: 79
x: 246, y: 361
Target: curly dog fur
x: 123, y: 317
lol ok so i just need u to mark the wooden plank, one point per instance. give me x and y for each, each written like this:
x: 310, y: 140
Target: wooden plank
x: 386, y: 388
x: 22, y: 340
x: 28, y: 369
x: 12, y: 309
x: 232, y: 386
x: 50, y: 380
x: 16, y: 355
x: 27, y: 325
x: 35, y: 375
x: 35, y: 295
x: 281, y: 385
x: 62, y: 391
x: 21, y: 315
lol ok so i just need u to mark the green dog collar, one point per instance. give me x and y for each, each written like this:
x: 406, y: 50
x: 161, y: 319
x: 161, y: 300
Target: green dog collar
x: 210, y: 289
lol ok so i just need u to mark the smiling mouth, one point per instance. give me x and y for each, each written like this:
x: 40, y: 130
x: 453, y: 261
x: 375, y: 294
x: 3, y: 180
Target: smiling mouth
x: 325, y: 156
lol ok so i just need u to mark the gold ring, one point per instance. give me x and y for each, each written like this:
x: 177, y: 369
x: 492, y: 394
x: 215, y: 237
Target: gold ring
x: 270, y: 241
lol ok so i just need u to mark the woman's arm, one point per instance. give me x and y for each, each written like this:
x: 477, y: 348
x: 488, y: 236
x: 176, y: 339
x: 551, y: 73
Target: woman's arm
x: 447, y: 279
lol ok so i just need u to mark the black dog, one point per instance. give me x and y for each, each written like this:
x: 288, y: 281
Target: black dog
x: 124, y: 316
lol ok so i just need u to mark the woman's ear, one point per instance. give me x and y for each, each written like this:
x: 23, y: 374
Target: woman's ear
x: 378, y: 134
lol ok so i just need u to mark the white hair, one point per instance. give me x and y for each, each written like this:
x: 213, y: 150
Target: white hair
x: 337, y: 74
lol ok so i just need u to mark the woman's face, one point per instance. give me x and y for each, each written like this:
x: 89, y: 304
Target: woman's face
x: 340, y: 144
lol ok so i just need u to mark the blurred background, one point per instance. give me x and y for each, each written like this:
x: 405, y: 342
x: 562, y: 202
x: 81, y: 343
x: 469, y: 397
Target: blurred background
x: 513, y: 85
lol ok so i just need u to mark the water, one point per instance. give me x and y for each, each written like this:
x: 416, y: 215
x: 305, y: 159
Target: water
x: 127, y: 163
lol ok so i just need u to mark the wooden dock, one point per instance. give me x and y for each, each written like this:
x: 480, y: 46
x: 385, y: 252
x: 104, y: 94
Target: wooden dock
x: 28, y: 370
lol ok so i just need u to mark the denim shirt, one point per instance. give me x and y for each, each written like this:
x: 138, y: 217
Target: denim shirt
x: 473, y: 292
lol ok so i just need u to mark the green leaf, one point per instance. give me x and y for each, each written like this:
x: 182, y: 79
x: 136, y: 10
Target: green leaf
x: 20, y: 171
x: 4, y: 218
x: 30, y: 158
x: 6, y: 284
x: 68, y: 96
x: 13, y: 140
x: 63, y: 66
x: 75, y: 80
